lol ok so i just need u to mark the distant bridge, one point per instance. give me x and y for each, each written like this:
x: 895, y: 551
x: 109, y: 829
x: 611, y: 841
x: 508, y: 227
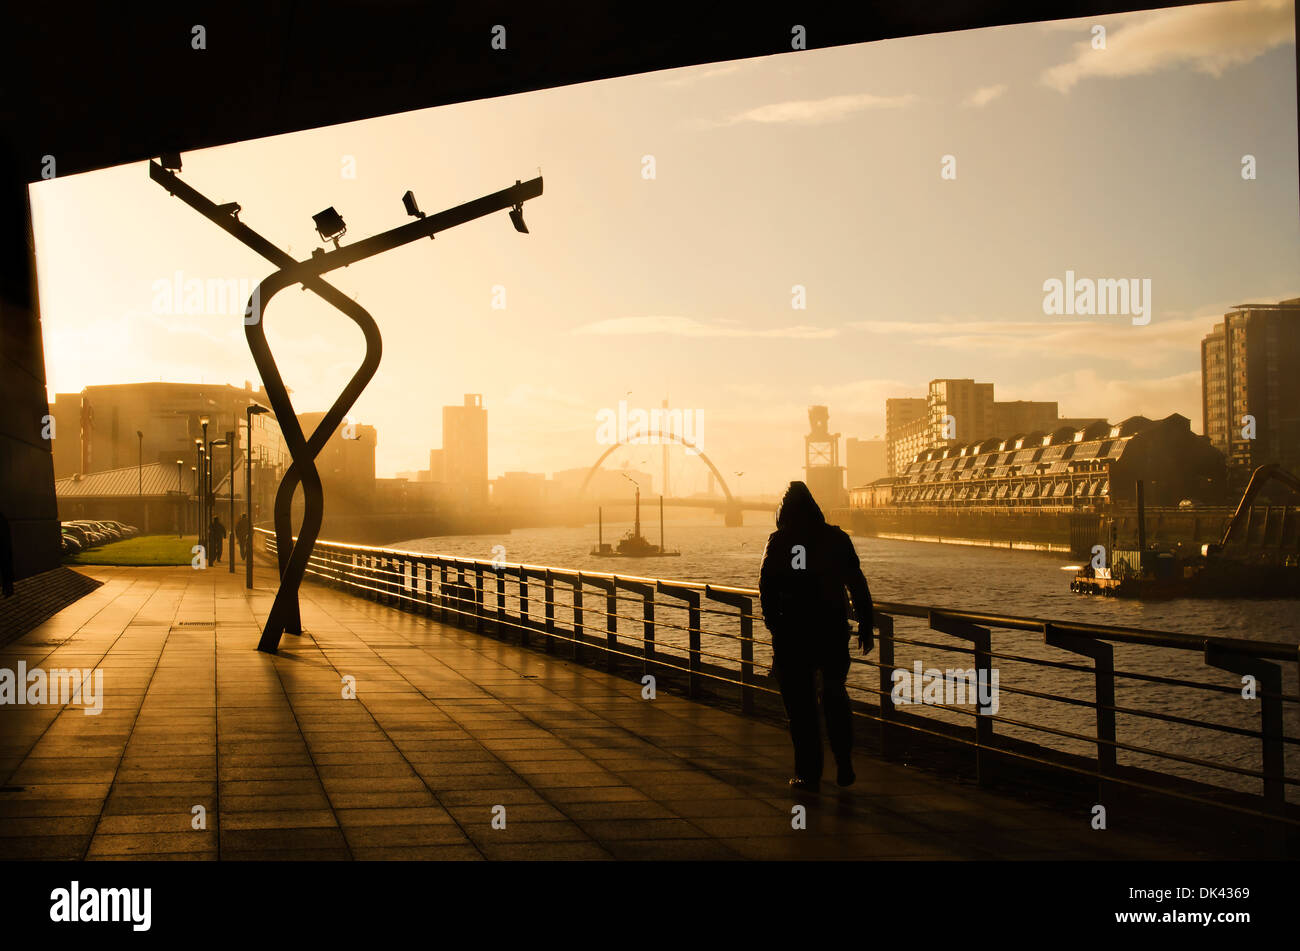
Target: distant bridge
x: 729, y: 505
x: 717, y: 504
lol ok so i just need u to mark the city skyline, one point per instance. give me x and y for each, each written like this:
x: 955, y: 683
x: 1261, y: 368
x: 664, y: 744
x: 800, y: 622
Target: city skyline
x: 681, y: 285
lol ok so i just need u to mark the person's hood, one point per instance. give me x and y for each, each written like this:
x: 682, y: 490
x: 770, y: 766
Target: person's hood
x: 798, y: 509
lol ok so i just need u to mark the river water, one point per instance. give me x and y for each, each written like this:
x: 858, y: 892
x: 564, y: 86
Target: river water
x: 1004, y: 581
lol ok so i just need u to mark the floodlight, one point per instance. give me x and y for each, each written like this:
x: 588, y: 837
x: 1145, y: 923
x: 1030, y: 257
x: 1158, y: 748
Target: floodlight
x: 329, y: 225
x: 517, y: 219
x: 412, y: 209
x: 170, y: 161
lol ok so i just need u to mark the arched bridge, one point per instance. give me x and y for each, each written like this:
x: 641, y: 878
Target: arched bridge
x: 731, y: 505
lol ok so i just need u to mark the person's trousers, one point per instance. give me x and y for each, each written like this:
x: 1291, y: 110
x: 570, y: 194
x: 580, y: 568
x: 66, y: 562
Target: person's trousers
x: 797, y: 675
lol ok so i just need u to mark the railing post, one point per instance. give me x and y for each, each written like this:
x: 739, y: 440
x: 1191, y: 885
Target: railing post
x: 479, y: 605
x: 981, y: 645
x: 550, y: 612
x: 608, y: 585
x: 577, y: 616
x: 1103, y: 661
x: 442, y: 591
x: 523, y: 606
x: 692, y: 599
x: 745, y: 607
x: 885, y: 649
x: 500, y: 572
x: 428, y: 587
x: 1268, y: 676
x: 647, y: 592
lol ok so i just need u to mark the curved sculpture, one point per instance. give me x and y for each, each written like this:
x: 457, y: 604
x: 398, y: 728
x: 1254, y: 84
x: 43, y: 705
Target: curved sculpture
x: 672, y: 437
x: 294, y: 554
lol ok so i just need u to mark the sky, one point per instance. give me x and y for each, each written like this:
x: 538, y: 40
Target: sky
x: 817, y: 169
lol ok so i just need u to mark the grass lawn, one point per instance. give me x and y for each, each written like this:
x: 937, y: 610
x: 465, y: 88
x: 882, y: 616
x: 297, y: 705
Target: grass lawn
x: 141, y: 550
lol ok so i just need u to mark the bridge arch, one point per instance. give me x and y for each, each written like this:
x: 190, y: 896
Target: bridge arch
x: 662, y: 434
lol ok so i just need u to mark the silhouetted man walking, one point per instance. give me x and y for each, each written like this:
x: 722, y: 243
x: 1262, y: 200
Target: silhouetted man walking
x: 241, y: 535
x: 807, y: 567
x: 216, y: 540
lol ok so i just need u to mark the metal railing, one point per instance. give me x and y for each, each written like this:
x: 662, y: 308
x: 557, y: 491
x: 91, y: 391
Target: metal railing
x: 711, y: 639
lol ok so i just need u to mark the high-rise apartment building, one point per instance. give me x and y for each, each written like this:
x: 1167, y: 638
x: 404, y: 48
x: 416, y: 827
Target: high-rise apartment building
x: 1250, y: 387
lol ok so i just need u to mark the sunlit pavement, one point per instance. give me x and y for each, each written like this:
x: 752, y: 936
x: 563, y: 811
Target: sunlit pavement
x: 449, y: 737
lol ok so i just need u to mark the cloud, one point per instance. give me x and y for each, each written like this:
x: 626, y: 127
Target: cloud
x: 984, y: 95
x: 692, y: 74
x: 813, y: 111
x: 1104, y: 338
x: 1211, y: 38
x: 677, y: 326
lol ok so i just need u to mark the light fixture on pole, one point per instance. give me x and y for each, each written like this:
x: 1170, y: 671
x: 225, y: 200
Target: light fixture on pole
x: 408, y: 202
x: 329, y: 225
x: 254, y: 409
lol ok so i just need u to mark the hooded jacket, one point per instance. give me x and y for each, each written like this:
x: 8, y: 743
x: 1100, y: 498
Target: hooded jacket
x: 808, y: 566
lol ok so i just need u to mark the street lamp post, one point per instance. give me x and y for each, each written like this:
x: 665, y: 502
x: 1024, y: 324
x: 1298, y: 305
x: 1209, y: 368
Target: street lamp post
x: 203, y: 507
x: 254, y: 409
x: 199, y: 470
x: 209, y: 489
x: 230, y: 438
x: 195, y: 480
x: 180, y: 499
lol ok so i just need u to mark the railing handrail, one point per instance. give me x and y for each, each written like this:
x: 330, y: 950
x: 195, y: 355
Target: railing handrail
x: 1267, y: 650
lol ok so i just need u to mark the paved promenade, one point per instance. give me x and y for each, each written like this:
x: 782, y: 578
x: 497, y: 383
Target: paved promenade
x: 445, y: 726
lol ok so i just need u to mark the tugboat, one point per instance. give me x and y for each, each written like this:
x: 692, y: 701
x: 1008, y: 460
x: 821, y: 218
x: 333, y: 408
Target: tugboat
x: 633, y: 544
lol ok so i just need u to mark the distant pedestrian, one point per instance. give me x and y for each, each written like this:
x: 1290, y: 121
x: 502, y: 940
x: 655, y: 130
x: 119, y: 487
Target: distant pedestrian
x: 807, y: 567
x: 241, y: 535
x: 216, y: 540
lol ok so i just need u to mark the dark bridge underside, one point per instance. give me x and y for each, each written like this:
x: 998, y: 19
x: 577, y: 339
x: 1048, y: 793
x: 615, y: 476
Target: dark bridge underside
x: 270, y: 68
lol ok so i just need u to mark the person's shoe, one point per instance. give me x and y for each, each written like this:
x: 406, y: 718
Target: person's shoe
x: 845, y: 776
x: 805, y: 784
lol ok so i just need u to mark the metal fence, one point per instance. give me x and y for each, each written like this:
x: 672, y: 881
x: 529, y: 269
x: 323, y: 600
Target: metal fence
x: 1225, y: 710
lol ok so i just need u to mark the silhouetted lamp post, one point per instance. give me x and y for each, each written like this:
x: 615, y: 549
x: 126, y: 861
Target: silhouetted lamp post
x: 254, y: 409
x: 203, y: 510
x: 230, y: 439
x: 198, y: 489
x: 180, y: 498
x: 139, y: 465
x: 207, y: 484
x: 294, y: 554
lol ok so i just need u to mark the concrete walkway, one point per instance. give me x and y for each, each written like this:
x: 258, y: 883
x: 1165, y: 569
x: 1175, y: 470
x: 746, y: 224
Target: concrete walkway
x: 445, y: 728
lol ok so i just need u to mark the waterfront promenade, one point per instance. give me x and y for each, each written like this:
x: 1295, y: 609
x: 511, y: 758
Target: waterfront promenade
x: 445, y: 727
